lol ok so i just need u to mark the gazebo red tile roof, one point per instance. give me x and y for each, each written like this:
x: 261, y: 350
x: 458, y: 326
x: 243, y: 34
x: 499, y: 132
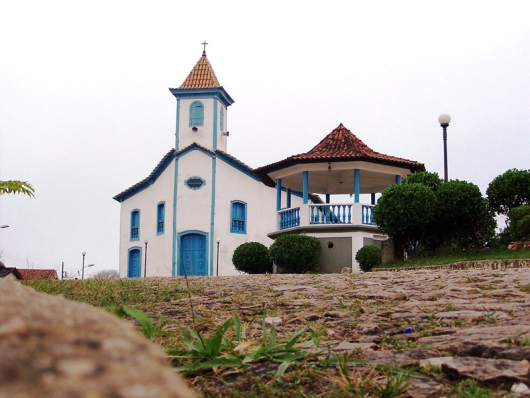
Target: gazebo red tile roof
x: 201, y: 76
x: 339, y: 145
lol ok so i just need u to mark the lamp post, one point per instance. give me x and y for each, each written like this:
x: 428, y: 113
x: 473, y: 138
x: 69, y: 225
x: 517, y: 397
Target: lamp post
x: 444, y: 120
x: 83, y: 268
x: 145, y: 259
x: 217, y: 267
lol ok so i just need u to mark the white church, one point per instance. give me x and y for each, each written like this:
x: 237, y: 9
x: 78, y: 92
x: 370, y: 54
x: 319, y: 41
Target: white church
x: 200, y: 203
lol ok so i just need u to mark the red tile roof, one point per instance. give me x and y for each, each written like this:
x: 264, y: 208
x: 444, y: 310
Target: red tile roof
x: 201, y: 76
x: 339, y: 145
x: 28, y: 274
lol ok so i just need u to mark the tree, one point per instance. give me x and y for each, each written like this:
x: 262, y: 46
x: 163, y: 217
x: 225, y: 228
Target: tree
x: 106, y: 274
x: 14, y: 186
x: 462, y: 215
x: 252, y: 258
x: 404, y: 212
x: 431, y: 180
x: 509, y: 190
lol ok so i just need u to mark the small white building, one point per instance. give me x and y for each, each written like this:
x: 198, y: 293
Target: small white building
x: 199, y: 203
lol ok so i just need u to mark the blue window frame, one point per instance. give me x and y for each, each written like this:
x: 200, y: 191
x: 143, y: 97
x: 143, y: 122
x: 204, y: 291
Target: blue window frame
x: 222, y: 119
x: 196, y: 113
x: 238, y: 223
x: 160, y: 217
x: 195, y: 182
x: 135, y: 225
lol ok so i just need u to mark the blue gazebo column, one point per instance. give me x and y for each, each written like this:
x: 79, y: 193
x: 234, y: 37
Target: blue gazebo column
x: 398, y: 179
x: 278, y: 194
x: 328, y: 197
x: 357, y: 184
x: 373, y: 198
x: 288, y: 198
x: 306, y: 187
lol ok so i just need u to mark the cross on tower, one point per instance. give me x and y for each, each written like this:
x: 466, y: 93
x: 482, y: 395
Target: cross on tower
x: 204, y: 44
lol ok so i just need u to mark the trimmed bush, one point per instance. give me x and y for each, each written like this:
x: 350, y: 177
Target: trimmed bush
x: 295, y: 254
x: 368, y: 257
x: 252, y: 258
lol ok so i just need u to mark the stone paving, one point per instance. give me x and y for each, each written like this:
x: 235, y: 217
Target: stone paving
x: 471, y: 322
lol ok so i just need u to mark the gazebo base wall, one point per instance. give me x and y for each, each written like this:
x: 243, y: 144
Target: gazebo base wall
x: 340, y: 244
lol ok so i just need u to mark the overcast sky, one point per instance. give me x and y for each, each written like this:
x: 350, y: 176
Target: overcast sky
x: 85, y: 110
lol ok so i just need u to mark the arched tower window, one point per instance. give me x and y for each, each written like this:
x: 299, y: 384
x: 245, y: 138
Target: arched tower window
x: 196, y: 113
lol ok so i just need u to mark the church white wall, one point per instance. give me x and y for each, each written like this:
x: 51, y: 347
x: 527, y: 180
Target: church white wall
x: 159, y: 248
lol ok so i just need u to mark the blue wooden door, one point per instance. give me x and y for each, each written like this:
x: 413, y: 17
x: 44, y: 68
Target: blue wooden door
x: 134, y: 270
x: 193, y: 250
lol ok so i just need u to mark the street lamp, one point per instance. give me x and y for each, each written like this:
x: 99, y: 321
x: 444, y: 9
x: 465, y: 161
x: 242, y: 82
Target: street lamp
x: 217, y: 267
x: 444, y: 120
x: 83, y: 268
x: 145, y: 259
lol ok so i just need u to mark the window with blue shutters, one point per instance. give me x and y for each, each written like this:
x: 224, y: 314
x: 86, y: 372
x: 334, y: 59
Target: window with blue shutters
x: 238, y: 217
x: 160, y: 217
x: 196, y: 113
x: 135, y: 225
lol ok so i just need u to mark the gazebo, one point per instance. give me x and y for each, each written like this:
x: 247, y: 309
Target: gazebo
x: 341, y: 164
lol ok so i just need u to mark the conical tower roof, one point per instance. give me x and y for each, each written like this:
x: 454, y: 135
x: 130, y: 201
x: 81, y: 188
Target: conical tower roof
x: 201, y: 76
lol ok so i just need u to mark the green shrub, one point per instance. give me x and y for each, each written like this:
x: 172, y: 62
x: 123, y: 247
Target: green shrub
x: 295, y: 254
x: 368, y: 257
x: 252, y: 258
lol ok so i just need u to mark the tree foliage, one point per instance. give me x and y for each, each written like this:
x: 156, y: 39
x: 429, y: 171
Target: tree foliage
x: 295, y: 253
x: 518, y: 224
x: 14, y: 187
x: 106, y: 274
x: 368, y: 256
x: 404, y: 212
x: 431, y: 180
x: 252, y: 258
x: 509, y: 190
x: 425, y: 212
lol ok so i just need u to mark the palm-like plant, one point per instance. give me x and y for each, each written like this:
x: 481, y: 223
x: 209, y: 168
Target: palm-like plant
x: 15, y: 186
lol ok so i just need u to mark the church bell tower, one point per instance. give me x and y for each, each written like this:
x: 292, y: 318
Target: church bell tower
x: 201, y: 108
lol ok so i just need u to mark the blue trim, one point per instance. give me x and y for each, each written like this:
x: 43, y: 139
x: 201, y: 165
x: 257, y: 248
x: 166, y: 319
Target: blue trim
x: 305, y: 186
x: 134, y: 229
x: 173, y: 154
x: 174, y: 239
x: 195, y: 178
x: 373, y: 198
x: 398, y: 179
x: 240, y: 221
x: 196, y: 113
x: 328, y: 198
x: 278, y: 194
x: 289, y: 192
x: 357, y: 184
x: 218, y: 93
x: 214, y: 125
x: 179, y: 237
x: 160, y: 218
x: 139, y: 248
x: 177, y: 129
x: 212, y: 214
x: 149, y: 180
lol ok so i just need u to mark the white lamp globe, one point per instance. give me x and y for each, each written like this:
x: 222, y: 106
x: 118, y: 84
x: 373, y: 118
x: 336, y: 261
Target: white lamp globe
x: 444, y: 118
